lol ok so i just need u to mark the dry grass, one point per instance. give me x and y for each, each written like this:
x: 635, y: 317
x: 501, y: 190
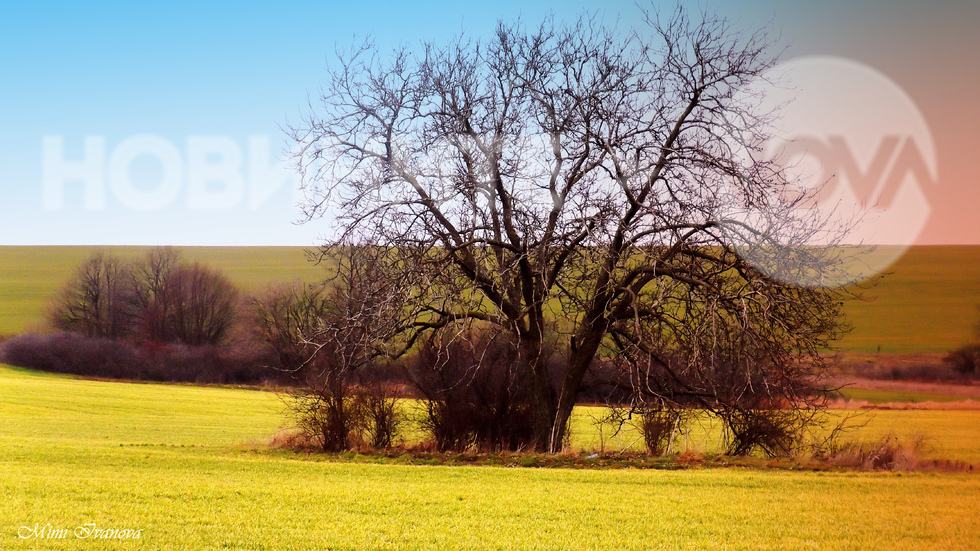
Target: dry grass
x: 908, y: 367
x: 889, y: 453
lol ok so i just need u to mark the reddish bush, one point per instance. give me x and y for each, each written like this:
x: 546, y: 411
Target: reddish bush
x: 474, y: 395
x: 965, y: 360
x: 78, y: 354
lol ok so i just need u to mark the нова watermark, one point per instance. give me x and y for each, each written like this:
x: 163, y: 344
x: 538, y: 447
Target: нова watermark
x: 862, y: 159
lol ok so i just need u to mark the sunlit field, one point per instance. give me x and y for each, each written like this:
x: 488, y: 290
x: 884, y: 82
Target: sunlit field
x: 926, y: 302
x: 191, y: 467
x: 188, y: 467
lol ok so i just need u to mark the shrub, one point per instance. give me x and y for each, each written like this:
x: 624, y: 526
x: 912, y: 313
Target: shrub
x: 474, y: 395
x: 354, y: 417
x: 381, y: 418
x: 325, y: 337
x: 659, y: 426
x: 772, y: 431
x: 77, y: 354
x: 73, y: 353
x: 951, y: 369
x: 965, y: 360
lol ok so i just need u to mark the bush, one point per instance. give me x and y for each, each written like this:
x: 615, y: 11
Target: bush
x: 381, y: 418
x: 77, y: 354
x: 965, y: 360
x: 774, y: 432
x: 659, y: 427
x: 351, y: 418
x: 474, y: 394
x: 949, y: 370
x: 324, y: 338
x: 74, y: 354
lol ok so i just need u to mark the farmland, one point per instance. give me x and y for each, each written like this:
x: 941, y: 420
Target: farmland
x: 31, y: 276
x: 187, y: 467
x: 927, y: 303
x: 191, y: 467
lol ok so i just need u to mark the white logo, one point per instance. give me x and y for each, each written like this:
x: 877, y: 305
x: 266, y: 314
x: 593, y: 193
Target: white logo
x: 862, y: 156
x: 214, y: 170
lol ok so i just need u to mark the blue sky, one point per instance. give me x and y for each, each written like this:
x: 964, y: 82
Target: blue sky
x: 234, y: 71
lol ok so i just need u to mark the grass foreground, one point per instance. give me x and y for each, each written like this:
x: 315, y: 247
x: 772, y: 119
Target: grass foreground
x: 186, y: 468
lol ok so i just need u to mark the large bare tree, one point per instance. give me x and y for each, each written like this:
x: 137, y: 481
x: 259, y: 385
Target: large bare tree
x: 576, y: 186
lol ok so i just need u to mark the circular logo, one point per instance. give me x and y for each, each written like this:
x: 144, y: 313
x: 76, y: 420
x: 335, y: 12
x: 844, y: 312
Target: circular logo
x: 858, y: 155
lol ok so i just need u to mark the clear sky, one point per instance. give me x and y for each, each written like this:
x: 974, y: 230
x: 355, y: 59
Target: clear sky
x: 192, y: 78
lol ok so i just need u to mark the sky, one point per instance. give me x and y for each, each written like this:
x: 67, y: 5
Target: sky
x: 114, y: 115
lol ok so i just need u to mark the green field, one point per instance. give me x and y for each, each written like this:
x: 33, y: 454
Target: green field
x: 187, y: 467
x: 190, y: 468
x: 875, y: 396
x: 928, y: 303
x: 31, y: 276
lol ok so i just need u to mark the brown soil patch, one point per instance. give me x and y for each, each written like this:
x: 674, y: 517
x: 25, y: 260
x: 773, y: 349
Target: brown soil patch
x: 863, y: 404
x: 966, y: 391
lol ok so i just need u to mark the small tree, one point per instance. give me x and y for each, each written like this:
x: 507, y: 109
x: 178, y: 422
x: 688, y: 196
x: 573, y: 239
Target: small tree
x: 146, y: 280
x: 93, y: 302
x: 327, y: 336
x: 193, y: 305
x: 285, y: 319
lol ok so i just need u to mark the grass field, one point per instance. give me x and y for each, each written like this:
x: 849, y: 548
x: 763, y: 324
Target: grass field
x: 875, y: 396
x: 185, y: 466
x: 928, y: 303
x: 31, y: 276
x: 943, y: 434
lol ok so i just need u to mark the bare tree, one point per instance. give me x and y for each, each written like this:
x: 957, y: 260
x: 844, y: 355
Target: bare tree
x: 329, y: 337
x: 193, y: 305
x: 569, y: 183
x: 146, y: 281
x: 158, y: 299
x: 93, y: 301
x: 286, y: 318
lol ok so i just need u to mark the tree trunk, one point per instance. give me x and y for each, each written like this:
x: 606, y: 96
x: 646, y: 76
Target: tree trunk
x: 578, y: 366
x: 541, y: 395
